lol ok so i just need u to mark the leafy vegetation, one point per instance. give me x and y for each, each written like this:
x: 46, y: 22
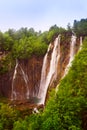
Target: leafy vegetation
x: 6, y: 63
x: 7, y: 117
x: 80, y: 27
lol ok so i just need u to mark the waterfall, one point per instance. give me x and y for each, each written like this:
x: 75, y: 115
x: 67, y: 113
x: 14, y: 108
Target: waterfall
x: 46, y: 79
x: 16, y: 93
x: 72, y: 53
x: 80, y: 43
x: 13, y: 94
x: 25, y: 77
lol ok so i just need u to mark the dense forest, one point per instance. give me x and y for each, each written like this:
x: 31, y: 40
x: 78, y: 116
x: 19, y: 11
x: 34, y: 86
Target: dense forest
x: 67, y: 108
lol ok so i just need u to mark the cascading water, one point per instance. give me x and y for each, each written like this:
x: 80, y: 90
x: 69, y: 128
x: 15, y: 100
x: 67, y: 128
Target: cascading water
x: 46, y: 79
x: 80, y: 43
x: 26, y: 82
x: 13, y: 94
x: 16, y: 94
x: 72, y: 53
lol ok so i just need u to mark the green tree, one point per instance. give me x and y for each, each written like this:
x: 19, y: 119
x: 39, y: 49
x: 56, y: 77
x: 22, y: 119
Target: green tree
x: 80, y: 27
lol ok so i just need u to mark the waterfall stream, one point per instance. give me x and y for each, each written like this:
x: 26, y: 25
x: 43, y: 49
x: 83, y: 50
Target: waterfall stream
x: 80, y: 43
x: 26, y: 82
x: 13, y: 94
x: 52, y: 74
x: 16, y: 94
x: 72, y: 53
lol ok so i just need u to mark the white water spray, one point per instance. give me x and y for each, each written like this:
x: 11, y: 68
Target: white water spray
x: 52, y: 74
x: 13, y: 94
x: 80, y: 43
x: 72, y: 53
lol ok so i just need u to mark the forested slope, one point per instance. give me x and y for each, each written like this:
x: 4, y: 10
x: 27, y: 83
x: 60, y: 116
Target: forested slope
x: 67, y: 109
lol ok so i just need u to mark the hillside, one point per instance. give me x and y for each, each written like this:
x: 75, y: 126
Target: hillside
x: 67, y: 110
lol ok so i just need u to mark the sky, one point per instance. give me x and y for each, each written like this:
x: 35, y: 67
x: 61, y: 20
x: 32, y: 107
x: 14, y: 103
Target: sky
x: 40, y: 14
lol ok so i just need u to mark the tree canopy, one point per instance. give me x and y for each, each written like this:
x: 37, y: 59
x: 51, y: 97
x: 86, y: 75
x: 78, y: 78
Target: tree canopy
x: 80, y: 27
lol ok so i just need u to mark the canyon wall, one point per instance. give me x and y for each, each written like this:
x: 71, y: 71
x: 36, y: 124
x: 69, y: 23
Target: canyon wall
x: 29, y: 67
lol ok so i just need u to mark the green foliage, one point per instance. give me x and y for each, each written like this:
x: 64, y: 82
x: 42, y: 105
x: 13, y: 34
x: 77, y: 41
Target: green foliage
x: 80, y: 27
x: 29, y: 123
x: 54, y: 31
x: 6, y: 64
x: 1, y: 42
x: 21, y: 44
x: 22, y: 49
x: 20, y: 125
x: 7, y: 117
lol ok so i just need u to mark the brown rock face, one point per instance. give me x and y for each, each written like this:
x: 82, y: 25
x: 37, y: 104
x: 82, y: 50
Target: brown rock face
x: 15, y: 85
x: 5, y: 84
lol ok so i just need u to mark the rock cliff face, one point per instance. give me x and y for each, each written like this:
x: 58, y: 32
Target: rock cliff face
x: 29, y: 70
x: 23, y: 82
x: 5, y: 84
